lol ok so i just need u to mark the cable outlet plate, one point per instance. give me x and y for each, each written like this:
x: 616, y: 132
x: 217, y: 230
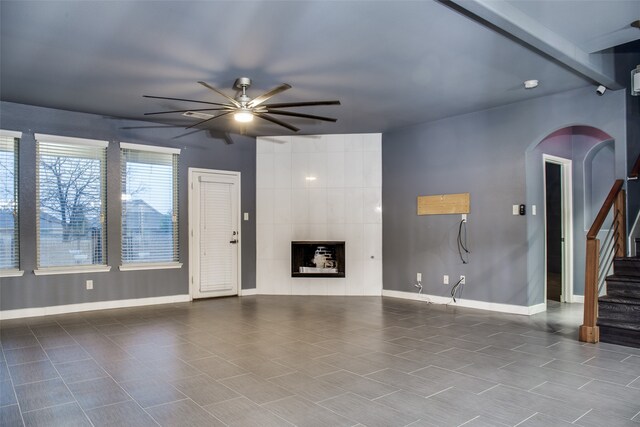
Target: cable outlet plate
x: 445, y: 279
x: 419, y: 277
x: 462, y: 280
x: 89, y: 284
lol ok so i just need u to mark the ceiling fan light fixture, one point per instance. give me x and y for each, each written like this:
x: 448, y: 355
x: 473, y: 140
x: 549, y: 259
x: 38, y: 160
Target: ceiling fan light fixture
x: 243, y: 116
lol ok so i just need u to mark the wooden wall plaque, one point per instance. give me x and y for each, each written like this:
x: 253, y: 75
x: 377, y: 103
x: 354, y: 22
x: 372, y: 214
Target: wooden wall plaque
x: 444, y: 204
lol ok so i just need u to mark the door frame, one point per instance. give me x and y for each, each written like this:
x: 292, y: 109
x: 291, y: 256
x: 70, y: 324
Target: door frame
x: 566, y: 184
x: 193, y: 215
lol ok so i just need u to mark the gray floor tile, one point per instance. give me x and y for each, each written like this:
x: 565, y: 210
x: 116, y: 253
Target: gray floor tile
x: 501, y: 376
x: 244, y: 412
x: 19, y: 341
x: 302, y: 412
x: 123, y: 414
x: 255, y: 388
x: 32, y: 372
x: 171, y: 369
x: 42, y: 394
x: 81, y: 370
x: 22, y: 355
x: 450, y: 378
x: 307, y: 387
x: 127, y: 369
x: 544, y: 374
x: 591, y: 372
x: 541, y: 420
x: 599, y: 419
x: 67, y: 354
x: 54, y: 341
x: 152, y: 392
x: 10, y: 416
x: 408, y: 382
x: 613, y: 391
x: 359, y: 366
x: 363, y: 386
x: 545, y: 405
x: 7, y: 395
x: 216, y: 367
x: 4, y: 370
x: 204, y: 390
x: 581, y: 398
x: 261, y: 367
x: 184, y: 413
x: 311, y: 367
x: 68, y: 415
x: 367, y: 412
x: 99, y: 392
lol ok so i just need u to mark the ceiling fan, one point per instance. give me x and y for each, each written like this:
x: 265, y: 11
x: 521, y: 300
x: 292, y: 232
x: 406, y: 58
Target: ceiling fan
x: 244, y: 108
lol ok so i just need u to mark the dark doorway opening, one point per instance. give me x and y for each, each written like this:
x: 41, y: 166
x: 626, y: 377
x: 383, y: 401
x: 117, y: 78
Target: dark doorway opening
x: 553, y: 192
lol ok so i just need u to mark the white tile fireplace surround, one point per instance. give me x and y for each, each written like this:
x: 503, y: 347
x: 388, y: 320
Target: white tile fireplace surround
x: 319, y: 187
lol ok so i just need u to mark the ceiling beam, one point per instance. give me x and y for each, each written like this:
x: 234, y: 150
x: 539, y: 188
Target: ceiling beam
x: 511, y: 20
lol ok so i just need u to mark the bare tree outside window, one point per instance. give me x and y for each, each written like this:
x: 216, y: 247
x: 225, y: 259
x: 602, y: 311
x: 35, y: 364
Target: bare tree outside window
x: 71, y: 208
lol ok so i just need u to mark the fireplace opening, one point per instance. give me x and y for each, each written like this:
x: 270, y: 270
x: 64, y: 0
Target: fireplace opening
x: 317, y: 259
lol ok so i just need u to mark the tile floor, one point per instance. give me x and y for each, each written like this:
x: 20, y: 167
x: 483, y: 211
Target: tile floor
x: 313, y: 361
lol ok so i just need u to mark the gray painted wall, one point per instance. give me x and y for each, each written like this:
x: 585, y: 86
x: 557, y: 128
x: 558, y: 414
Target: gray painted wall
x: 483, y: 153
x: 627, y: 57
x: 198, y: 150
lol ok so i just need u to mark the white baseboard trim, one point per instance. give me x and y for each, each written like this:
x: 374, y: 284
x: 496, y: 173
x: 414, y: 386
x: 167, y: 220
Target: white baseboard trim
x: 577, y: 298
x: 90, y: 306
x: 247, y: 292
x: 480, y: 305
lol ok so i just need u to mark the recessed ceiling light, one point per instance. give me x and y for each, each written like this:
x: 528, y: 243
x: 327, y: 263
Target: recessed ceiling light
x: 310, y: 178
x: 530, y: 84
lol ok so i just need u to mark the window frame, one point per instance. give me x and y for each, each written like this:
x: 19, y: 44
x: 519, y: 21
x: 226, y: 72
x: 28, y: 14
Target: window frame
x: 17, y: 137
x: 134, y: 266
x: 71, y: 269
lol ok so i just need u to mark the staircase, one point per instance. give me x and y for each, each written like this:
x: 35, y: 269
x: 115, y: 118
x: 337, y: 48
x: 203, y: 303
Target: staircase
x: 619, y: 310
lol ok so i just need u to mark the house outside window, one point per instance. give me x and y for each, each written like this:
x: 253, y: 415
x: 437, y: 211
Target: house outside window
x: 149, y: 207
x: 9, y: 223
x: 71, y: 204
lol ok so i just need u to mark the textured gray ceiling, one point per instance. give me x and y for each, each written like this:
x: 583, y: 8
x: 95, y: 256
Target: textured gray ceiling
x: 391, y: 63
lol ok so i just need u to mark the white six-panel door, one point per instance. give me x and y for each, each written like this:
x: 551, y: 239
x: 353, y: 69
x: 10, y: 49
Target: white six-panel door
x: 214, y: 233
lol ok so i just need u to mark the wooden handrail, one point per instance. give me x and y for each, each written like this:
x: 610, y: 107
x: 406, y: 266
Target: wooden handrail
x: 604, y: 210
x: 589, y: 331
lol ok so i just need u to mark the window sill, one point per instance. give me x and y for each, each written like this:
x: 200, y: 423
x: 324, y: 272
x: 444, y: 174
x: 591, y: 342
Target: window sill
x: 11, y: 273
x: 72, y: 270
x: 151, y: 266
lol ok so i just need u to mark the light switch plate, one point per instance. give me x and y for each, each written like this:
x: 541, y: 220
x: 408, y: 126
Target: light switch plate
x: 516, y: 209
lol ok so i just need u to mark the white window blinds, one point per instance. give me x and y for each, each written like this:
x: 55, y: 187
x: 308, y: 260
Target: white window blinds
x: 9, y: 238
x: 71, y: 202
x: 149, y: 205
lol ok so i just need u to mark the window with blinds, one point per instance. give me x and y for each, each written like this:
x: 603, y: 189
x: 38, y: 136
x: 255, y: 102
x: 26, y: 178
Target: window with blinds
x: 9, y: 237
x: 149, y: 205
x: 71, y: 202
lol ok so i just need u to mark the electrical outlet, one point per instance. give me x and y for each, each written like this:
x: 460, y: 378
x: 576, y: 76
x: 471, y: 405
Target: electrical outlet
x: 515, y: 209
x: 533, y: 209
x: 445, y: 279
x: 419, y: 277
x: 462, y: 280
x: 89, y: 284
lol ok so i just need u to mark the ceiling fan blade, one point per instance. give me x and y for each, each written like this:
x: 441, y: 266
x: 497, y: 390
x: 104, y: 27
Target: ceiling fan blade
x: 208, y: 86
x: 276, y: 121
x: 306, y: 116
x: 186, y: 111
x: 301, y: 104
x: 260, y: 99
x: 211, y: 118
x: 182, y: 99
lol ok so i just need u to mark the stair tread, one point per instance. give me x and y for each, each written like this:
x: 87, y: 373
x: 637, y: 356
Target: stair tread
x: 612, y: 323
x: 624, y: 278
x: 614, y: 299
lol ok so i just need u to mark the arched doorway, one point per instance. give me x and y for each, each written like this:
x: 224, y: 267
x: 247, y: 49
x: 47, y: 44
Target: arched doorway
x: 583, y: 161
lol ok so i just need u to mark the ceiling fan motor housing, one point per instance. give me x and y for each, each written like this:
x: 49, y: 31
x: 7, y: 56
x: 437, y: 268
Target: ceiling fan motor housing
x: 242, y: 82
